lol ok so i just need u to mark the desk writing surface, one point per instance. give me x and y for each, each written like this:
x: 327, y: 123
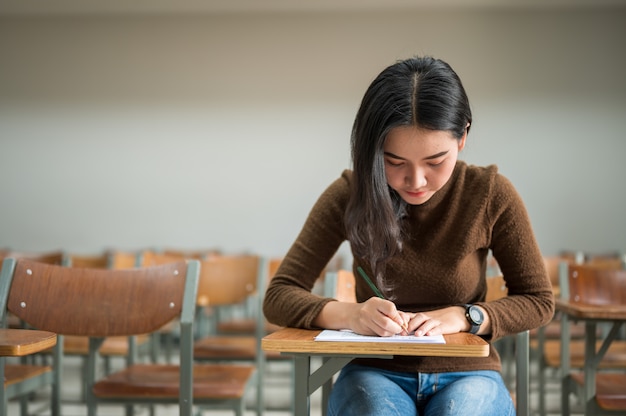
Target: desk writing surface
x: 349, y: 336
x: 586, y: 311
x: 294, y: 340
x: 21, y: 342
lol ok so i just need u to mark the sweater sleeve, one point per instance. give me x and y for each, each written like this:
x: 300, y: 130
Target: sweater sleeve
x: 530, y: 300
x: 288, y: 300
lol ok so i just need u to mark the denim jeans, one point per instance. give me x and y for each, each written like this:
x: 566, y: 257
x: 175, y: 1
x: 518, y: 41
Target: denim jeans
x: 363, y: 391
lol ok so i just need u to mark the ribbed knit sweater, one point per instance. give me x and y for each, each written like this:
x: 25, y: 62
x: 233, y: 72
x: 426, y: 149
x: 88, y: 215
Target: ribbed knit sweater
x: 442, y: 263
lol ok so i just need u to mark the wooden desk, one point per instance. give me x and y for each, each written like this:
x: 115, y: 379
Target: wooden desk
x: 21, y: 342
x: 18, y: 343
x: 302, y: 345
x: 591, y: 315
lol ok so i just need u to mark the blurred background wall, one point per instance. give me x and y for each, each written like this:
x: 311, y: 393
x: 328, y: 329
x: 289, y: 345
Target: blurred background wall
x: 199, y: 128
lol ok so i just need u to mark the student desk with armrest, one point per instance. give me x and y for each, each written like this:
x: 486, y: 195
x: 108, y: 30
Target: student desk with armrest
x: 22, y: 342
x: 22, y: 379
x: 302, y: 345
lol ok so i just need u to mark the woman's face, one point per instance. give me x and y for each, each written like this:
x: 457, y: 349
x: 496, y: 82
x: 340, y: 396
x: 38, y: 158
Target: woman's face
x: 419, y: 162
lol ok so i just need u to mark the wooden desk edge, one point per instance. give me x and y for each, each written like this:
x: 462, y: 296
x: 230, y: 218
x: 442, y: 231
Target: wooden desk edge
x: 294, y: 340
x: 21, y: 342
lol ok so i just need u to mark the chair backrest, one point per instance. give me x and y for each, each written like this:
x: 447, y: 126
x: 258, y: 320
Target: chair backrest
x: 124, y: 259
x: 153, y: 258
x: 496, y: 288
x: 228, y: 280
x: 616, y: 262
x: 345, y: 290
x: 344, y: 286
x: 552, y: 267
x: 49, y: 257
x: 191, y: 254
x: 593, y: 285
x: 96, y: 261
x: 96, y: 302
x: 272, y: 267
x: 493, y: 268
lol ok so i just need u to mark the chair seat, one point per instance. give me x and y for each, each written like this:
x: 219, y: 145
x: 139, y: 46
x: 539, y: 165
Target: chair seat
x: 228, y: 348
x: 244, y: 326
x: 615, y: 356
x: 119, y: 345
x: 75, y: 345
x: 14, y: 322
x: 553, y: 331
x: 210, y: 381
x: 112, y: 346
x: 16, y: 373
x: 168, y: 327
x: 610, y: 389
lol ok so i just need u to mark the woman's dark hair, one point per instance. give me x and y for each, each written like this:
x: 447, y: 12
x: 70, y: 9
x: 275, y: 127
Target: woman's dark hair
x: 423, y: 92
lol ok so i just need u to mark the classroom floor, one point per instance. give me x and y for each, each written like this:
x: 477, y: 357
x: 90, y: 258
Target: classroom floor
x: 278, y: 389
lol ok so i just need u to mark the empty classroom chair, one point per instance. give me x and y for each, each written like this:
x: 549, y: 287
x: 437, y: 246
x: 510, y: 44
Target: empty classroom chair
x: 99, y: 303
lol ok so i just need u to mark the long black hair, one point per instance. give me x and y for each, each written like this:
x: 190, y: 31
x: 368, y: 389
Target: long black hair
x: 423, y: 92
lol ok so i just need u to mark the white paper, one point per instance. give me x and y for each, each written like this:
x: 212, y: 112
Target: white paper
x: 346, y: 335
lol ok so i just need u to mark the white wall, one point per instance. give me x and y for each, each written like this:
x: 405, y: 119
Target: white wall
x: 222, y: 130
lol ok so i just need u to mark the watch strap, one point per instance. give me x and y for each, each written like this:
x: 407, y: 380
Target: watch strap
x: 474, y: 327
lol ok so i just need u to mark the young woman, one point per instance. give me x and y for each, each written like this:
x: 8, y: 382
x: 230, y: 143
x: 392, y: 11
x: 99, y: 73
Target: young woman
x: 421, y: 223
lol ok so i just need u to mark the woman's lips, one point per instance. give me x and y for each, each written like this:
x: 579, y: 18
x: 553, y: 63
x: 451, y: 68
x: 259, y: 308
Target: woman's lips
x: 417, y: 194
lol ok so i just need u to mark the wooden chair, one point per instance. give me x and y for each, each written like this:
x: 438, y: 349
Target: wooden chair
x: 611, y: 261
x: 190, y: 254
x: 112, y: 347
x: 24, y: 380
x: 99, y: 303
x: 590, y: 286
x: 227, y: 281
x: 548, y: 340
x: 146, y: 258
x: 248, y: 325
x: 519, y: 346
x: 341, y: 286
x: 496, y: 289
x: 123, y: 259
x: 49, y: 257
x: 28, y: 376
x: 21, y: 380
x: 166, y: 335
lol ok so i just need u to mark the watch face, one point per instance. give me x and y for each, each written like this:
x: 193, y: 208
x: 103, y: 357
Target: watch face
x: 475, y: 315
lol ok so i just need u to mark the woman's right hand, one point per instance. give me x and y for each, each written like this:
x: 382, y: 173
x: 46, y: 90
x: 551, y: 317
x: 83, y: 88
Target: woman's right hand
x: 379, y: 317
x: 375, y: 316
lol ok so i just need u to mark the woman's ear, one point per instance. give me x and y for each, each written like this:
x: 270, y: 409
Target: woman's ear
x: 462, y: 140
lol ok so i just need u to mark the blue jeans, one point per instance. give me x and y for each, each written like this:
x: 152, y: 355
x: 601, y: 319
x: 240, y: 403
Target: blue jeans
x: 362, y: 391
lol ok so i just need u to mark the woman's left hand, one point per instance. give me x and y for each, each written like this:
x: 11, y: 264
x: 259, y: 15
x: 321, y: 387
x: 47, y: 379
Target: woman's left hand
x: 444, y: 321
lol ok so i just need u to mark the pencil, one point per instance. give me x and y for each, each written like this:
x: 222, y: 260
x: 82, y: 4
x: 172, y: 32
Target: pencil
x: 370, y: 283
x: 376, y: 291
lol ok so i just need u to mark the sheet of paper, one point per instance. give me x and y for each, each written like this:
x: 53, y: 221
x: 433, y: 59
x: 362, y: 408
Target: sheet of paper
x: 345, y: 335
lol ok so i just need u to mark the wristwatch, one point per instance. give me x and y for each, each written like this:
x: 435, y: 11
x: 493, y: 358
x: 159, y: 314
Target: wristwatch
x: 474, y: 316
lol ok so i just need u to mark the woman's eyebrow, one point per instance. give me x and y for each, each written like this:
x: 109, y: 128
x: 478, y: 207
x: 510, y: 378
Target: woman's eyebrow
x: 393, y: 156
x: 435, y: 156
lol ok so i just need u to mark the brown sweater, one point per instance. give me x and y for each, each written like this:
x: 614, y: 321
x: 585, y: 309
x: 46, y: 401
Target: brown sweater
x: 442, y: 263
